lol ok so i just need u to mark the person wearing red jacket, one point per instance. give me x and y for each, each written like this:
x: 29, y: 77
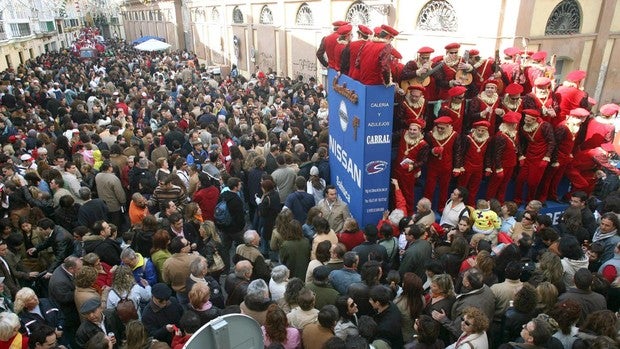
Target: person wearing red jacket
x: 413, y: 106
x: 573, y: 96
x: 504, y: 156
x: 470, y: 161
x: 485, y: 106
x: 446, y: 76
x: 349, y: 60
x: 344, y: 37
x: 600, y: 129
x: 442, y: 141
x: 326, y: 48
x: 416, y: 72
x: 512, y: 98
x: 544, y: 100
x: 483, y: 71
x: 536, y: 68
x: 412, y: 155
x: 454, y: 108
x: 538, y: 144
x: 564, y: 135
x: 376, y: 58
x: 582, y: 171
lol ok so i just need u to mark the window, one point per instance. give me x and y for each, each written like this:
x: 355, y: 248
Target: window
x: 114, y: 20
x: 358, y: 13
x: 237, y: 15
x: 565, y: 19
x: 437, y: 15
x: 47, y: 26
x: 304, y: 16
x: 266, y: 17
x: 20, y: 29
x: 215, y: 15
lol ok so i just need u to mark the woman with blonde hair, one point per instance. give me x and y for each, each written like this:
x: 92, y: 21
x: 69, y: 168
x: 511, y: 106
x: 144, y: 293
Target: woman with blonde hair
x: 124, y: 286
x: 85, y: 287
x: 137, y: 336
x: 200, y: 304
x: 280, y: 229
x: 34, y: 311
x: 546, y: 296
x: 442, y: 299
x: 211, y: 247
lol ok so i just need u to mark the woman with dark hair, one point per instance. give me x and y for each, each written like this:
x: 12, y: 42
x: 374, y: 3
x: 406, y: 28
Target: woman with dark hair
x: 600, y: 323
x: 295, y: 251
x: 289, y: 301
x: 459, y: 250
x: 347, y: 323
x: 427, y: 334
x: 144, y: 231
x: 387, y: 240
x: 192, y: 217
x: 351, y: 234
x: 566, y: 314
x: 523, y: 310
x: 159, y: 252
x: 269, y: 206
x: 307, y: 227
x: 371, y: 274
x: 277, y: 329
x: 411, y: 303
x: 322, y: 257
x: 315, y: 185
x: 280, y: 229
x: 570, y: 224
x: 235, y: 165
x: 507, y: 214
x: 323, y: 233
x: 442, y: 299
x: 573, y: 259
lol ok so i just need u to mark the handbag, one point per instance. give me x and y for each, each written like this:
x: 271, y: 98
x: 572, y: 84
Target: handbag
x: 218, y: 263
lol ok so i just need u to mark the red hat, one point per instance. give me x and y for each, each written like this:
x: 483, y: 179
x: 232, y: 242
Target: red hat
x: 364, y: 29
x: 539, y: 56
x: 439, y: 229
x: 416, y: 87
x: 481, y: 123
x: 473, y: 52
x: 609, y: 109
x: 511, y: 51
x: 419, y: 122
x: 339, y: 23
x: 592, y: 101
x: 576, y: 75
x: 344, y: 30
x: 260, y: 75
x: 512, y: 117
x: 425, y: 49
x: 490, y: 81
x: 12, y: 139
x: 377, y: 30
x: 443, y: 120
x: 456, y: 91
x: 452, y: 46
x: 542, y: 81
x: 513, y: 89
x: 532, y: 112
x: 396, y: 54
x: 391, y: 31
x: 579, y: 112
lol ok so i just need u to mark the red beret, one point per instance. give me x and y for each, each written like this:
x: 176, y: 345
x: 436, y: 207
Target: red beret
x: 490, y: 81
x: 364, y: 29
x: 592, y: 101
x: 512, y: 117
x: 456, y: 91
x: 452, y: 46
x: 609, y: 109
x: 344, y: 30
x: 542, y: 81
x: 339, y: 23
x: 513, y: 89
x: 473, y: 52
x: 579, y: 112
x: 419, y: 122
x: 511, y: 51
x: 481, y: 123
x: 425, y: 49
x: 532, y: 112
x: 576, y: 75
x: 416, y: 87
x: 539, y: 56
x: 391, y: 31
x: 396, y: 54
x: 443, y: 120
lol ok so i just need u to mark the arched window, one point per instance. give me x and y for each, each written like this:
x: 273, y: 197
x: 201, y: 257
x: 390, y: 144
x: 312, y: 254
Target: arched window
x: 304, y: 15
x: 565, y: 19
x: 266, y: 17
x: 437, y: 15
x: 358, y: 13
x: 215, y: 15
x: 237, y: 15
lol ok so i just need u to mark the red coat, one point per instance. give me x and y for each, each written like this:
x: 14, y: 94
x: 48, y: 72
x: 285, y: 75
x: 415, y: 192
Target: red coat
x: 572, y: 98
x: 565, y: 142
x: 505, y: 151
x: 530, y: 101
x: 349, y: 60
x: 206, y: 198
x: 598, y: 132
x: 444, y: 160
x: 327, y: 48
x: 408, y: 113
x: 458, y: 116
x: 350, y: 240
x: 375, y: 63
x: 472, y: 156
x: 338, y: 48
x: 504, y: 104
x: 482, y: 72
x: 443, y: 78
x: 539, y: 143
x: 477, y: 106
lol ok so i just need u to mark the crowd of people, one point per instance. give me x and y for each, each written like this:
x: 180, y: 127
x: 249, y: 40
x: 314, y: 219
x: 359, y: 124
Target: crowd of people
x: 143, y: 197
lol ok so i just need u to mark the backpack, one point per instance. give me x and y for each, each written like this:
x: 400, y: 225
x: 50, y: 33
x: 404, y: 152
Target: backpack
x: 222, y: 214
x: 125, y: 309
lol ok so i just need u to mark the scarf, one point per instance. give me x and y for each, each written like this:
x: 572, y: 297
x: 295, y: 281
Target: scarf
x: 598, y: 236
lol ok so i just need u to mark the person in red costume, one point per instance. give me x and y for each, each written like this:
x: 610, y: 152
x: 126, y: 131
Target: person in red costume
x: 326, y: 48
x: 573, y: 96
x: 376, y: 58
x: 445, y: 77
x: 485, y: 106
x: 538, y: 143
x: 454, y: 108
x: 470, y: 161
x: 535, y: 69
x: 417, y: 72
x: 344, y: 37
x: 443, y: 142
x: 562, y: 157
x: 582, y: 172
x: 349, y: 60
x: 544, y: 100
x: 512, y: 98
x: 413, y: 106
x: 601, y: 129
x: 510, y: 67
x: 412, y: 155
x: 504, y: 156
x: 483, y: 71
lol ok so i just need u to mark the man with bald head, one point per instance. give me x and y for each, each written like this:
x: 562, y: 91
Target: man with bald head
x: 236, y: 284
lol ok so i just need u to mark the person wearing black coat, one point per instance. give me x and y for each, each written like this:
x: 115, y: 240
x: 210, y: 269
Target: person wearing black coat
x: 92, y: 324
x: 61, y: 289
x: 58, y: 238
x: 50, y: 315
x: 233, y: 232
x: 103, y: 244
x: 161, y: 313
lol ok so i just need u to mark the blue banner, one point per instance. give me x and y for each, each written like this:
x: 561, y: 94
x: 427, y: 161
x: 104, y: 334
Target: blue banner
x: 360, y: 137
